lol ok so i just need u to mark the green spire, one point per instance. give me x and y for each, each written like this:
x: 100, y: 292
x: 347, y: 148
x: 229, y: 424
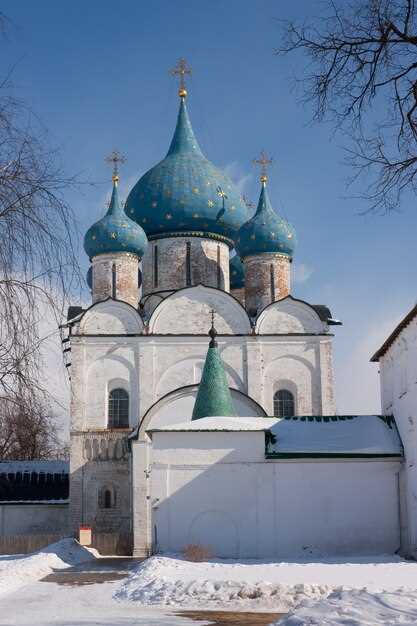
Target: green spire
x: 184, y: 139
x: 213, y: 397
x: 114, y: 205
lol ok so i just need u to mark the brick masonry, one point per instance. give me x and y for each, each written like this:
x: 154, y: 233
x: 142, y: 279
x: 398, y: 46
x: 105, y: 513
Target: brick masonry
x: 267, y: 279
x: 177, y: 262
x: 126, y: 277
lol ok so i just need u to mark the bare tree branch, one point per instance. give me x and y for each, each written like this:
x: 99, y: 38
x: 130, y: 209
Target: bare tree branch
x: 363, y: 77
x: 38, y: 262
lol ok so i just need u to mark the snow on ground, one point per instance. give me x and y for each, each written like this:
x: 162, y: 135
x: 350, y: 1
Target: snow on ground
x: 43, y: 603
x: 256, y: 585
x: 19, y: 569
x: 357, y: 608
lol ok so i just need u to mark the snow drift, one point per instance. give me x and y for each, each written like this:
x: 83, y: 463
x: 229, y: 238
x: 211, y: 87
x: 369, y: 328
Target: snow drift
x: 357, y: 608
x: 258, y: 585
x: 18, y: 570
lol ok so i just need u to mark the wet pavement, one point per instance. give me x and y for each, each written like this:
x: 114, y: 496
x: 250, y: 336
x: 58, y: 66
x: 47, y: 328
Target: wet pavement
x: 105, y: 569
x: 229, y: 618
x: 111, y: 569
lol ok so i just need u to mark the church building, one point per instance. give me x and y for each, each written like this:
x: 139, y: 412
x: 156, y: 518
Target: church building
x: 230, y: 440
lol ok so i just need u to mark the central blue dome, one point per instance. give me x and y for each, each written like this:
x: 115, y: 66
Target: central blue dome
x: 181, y: 194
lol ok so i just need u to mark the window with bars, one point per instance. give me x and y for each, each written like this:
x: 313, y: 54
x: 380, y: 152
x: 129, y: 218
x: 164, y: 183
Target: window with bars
x: 118, y: 409
x: 284, y: 405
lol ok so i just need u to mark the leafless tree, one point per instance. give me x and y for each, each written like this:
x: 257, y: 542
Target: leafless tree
x: 362, y: 75
x: 28, y: 430
x: 38, y: 263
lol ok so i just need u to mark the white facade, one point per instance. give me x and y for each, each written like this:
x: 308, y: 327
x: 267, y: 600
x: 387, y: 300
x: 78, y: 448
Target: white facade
x: 216, y: 489
x: 398, y: 380
x: 158, y: 361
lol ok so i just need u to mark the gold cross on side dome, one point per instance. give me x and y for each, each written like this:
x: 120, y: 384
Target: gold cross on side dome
x: 264, y: 161
x: 182, y: 69
x: 114, y: 159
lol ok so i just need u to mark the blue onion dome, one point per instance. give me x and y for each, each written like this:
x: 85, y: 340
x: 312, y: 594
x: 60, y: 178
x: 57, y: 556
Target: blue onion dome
x: 185, y: 194
x: 237, y: 273
x: 115, y: 232
x: 266, y: 231
x: 89, y: 277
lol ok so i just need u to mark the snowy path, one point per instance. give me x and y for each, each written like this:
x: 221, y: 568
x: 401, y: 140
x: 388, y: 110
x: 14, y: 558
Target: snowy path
x: 49, y: 604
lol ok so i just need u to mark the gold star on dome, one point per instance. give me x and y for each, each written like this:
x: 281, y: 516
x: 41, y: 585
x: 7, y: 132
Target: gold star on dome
x: 210, y: 203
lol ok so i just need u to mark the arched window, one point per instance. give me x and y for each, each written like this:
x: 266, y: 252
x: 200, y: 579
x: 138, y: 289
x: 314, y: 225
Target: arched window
x: 284, y: 405
x: 107, y: 497
x: 118, y: 409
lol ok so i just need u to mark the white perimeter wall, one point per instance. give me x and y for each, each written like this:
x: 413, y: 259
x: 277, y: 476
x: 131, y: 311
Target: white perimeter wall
x: 398, y: 378
x: 32, y: 519
x: 216, y: 489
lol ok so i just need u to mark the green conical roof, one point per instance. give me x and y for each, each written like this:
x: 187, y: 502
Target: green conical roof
x: 213, y: 397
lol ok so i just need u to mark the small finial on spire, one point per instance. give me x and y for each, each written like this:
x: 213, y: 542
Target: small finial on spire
x: 264, y: 161
x: 114, y: 159
x: 182, y: 69
x: 212, y: 332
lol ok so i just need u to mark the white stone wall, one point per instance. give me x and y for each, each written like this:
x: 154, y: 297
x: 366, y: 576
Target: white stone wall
x: 150, y: 367
x: 217, y: 490
x: 33, y: 519
x: 100, y: 460
x: 398, y: 379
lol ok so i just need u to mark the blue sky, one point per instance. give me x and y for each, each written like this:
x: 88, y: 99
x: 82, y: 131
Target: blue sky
x: 96, y: 74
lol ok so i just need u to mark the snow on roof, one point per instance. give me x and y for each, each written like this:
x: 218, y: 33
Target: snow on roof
x: 48, y: 466
x: 225, y: 424
x: 368, y: 435
x: 336, y: 435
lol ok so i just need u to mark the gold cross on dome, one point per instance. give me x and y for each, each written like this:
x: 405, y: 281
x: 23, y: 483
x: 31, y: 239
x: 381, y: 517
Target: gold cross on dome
x: 182, y: 69
x: 114, y: 159
x: 264, y: 161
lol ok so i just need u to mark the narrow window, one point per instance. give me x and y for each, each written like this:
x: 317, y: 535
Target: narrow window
x: 118, y: 416
x: 155, y: 266
x: 113, y: 281
x: 219, y: 273
x: 284, y: 405
x: 107, y: 499
x: 188, y: 264
x: 272, y: 277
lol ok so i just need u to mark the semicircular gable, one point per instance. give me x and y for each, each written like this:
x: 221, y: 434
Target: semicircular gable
x: 110, y: 317
x: 188, y: 312
x: 289, y: 316
x: 177, y: 406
